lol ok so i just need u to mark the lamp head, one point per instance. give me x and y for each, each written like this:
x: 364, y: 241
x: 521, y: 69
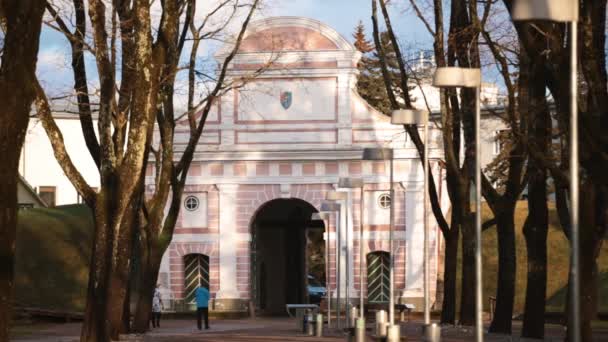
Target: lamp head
x: 330, y: 206
x: 553, y: 10
x: 409, y: 117
x: 348, y: 182
x: 320, y: 216
x: 450, y: 77
x: 377, y: 154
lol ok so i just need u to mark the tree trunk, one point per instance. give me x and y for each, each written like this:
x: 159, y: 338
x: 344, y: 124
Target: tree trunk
x: 468, y: 284
x: 448, y: 308
x: 109, y: 260
x: 592, y: 230
x: 125, y: 326
x: 535, y: 231
x: 8, y: 225
x: 589, y: 295
x: 148, y: 277
x: 507, y: 264
x: 119, y: 279
x: 23, y: 21
x: 94, y: 327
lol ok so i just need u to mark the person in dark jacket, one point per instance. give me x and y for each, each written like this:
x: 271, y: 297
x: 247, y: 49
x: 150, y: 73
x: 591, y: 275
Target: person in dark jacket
x: 202, y: 306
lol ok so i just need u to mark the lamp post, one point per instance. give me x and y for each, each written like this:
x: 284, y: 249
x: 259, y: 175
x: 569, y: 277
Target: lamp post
x: 339, y: 197
x: 383, y: 154
x: 331, y: 206
x: 324, y: 216
x: 353, y: 183
x: 450, y: 77
x: 421, y: 117
x: 565, y: 11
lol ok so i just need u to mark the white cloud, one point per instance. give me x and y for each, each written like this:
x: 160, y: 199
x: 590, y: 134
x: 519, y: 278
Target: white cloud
x: 52, y: 58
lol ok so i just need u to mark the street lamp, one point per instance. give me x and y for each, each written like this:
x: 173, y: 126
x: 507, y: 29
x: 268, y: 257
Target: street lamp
x: 332, y: 206
x: 383, y: 154
x: 353, y: 183
x: 565, y: 11
x: 339, y: 197
x: 449, y: 77
x: 421, y: 117
x: 325, y: 216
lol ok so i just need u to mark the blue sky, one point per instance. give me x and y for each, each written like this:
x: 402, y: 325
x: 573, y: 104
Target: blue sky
x: 343, y: 15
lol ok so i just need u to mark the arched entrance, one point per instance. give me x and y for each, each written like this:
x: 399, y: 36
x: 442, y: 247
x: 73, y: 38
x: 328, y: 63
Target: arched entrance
x: 281, y: 231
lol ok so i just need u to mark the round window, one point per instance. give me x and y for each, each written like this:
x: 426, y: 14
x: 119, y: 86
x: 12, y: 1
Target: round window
x: 191, y: 203
x: 384, y: 201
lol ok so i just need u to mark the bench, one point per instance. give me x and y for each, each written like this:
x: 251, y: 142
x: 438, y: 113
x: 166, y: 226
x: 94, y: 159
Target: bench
x: 301, y: 308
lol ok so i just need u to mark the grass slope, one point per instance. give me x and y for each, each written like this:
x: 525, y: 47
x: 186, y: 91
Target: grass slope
x: 53, y: 252
x: 558, y: 251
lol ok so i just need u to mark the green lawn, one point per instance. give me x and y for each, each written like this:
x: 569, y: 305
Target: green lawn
x: 53, y: 251
x: 558, y: 263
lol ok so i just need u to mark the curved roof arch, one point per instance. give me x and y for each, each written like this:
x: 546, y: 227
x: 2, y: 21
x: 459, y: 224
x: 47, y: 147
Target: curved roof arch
x: 291, y: 34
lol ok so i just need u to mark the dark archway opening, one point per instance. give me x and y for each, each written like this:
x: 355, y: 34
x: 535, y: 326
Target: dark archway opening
x: 282, y: 233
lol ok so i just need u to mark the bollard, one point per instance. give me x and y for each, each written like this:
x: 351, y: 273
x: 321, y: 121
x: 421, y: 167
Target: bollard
x: 304, y: 321
x: 432, y: 333
x: 381, y: 323
x: 310, y: 327
x: 319, y: 326
x: 393, y: 333
x: 354, y: 313
x: 360, y: 330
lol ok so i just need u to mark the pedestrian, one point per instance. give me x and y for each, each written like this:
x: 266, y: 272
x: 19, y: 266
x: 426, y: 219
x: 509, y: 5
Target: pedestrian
x: 202, y: 306
x: 157, y: 307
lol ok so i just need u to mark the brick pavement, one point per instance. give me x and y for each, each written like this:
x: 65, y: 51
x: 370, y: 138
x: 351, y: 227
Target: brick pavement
x: 266, y: 329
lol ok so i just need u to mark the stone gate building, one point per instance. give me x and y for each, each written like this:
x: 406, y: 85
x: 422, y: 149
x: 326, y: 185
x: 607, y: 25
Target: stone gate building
x: 269, y: 153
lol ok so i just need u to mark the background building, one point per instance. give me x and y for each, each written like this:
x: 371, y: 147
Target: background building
x: 39, y: 166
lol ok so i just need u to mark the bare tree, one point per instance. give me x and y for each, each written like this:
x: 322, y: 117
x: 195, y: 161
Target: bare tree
x: 20, y: 24
x: 129, y: 96
x: 156, y: 225
x: 503, y: 203
x: 593, y: 106
x: 460, y: 49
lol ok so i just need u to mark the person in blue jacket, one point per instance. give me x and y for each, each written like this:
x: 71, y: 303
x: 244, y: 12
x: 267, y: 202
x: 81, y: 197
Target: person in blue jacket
x: 202, y: 306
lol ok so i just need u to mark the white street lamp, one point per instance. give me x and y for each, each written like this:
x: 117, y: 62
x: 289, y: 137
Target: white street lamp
x: 339, y: 197
x: 565, y: 11
x: 325, y: 216
x: 384, y: 154
x: 470, y: 78
x: 353, y: 183
x: 421, y: 117
x: 332, y: 206
x: 553, y: 10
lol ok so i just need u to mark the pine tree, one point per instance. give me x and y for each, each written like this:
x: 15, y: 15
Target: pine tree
x: 361, y: 42
x: 370, y: 84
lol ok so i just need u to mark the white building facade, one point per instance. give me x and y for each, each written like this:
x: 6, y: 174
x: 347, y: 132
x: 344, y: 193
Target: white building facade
x: 40, y: 168
x: 282, y: 141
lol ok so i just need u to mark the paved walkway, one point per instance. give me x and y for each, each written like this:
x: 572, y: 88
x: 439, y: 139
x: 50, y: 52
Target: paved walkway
x: 263, y: 329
